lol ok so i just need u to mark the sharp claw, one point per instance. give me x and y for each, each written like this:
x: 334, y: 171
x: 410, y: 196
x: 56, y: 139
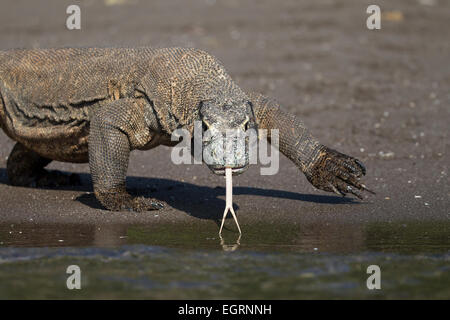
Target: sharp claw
x: 354, y: 192
x: 363, y: 167
x: 353, y: 182
x: 368, y: 190
x: 335, y: 190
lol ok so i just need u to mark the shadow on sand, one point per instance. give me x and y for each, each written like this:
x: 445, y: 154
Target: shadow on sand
x: 198, y: 201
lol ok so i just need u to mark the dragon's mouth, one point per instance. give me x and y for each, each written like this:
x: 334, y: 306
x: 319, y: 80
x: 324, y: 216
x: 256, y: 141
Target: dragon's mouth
x: 221, y: 170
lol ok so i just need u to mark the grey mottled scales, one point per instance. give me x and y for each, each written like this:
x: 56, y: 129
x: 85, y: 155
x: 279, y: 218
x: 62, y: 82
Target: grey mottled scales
x: 97, y: 105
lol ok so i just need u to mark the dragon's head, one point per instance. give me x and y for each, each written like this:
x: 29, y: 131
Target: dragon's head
x: 226, y: 130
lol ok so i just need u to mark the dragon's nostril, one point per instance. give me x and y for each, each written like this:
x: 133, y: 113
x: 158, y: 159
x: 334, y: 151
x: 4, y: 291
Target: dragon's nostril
x: 204, y: 126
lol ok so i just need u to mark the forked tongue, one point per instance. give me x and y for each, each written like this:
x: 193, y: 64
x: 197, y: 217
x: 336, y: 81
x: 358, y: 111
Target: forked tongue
x: 229, y: 199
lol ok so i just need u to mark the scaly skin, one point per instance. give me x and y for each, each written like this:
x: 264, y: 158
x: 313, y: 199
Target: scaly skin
x: 97, y: 105
x: 326, y: 169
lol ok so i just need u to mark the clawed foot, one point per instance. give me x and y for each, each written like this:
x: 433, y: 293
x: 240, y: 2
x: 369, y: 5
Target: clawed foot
x: 336, y: 172
x: 120, y: 200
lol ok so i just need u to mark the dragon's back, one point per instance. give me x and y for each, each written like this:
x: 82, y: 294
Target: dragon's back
x: 53, y: 77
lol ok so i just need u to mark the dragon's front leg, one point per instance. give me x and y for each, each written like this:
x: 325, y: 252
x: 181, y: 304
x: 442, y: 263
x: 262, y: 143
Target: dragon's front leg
x: 115, y: 130
x: 325, y: 168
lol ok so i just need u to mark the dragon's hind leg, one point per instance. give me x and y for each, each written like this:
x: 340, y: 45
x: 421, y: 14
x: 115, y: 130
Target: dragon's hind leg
x: 26, y: 168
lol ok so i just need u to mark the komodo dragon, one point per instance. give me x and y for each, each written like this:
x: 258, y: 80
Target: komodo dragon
x: 97, y: 105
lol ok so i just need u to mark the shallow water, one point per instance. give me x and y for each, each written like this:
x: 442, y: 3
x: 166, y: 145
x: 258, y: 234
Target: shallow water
x: 190, y: 261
